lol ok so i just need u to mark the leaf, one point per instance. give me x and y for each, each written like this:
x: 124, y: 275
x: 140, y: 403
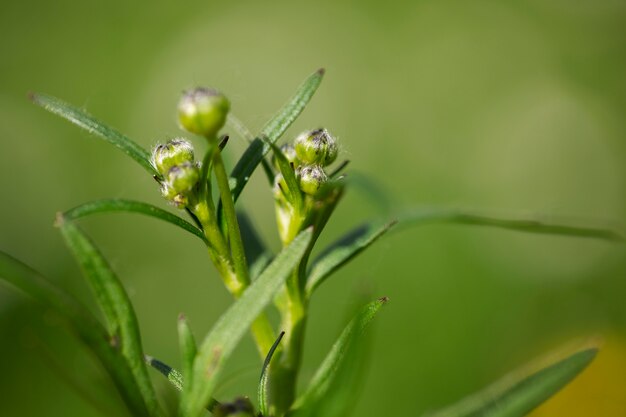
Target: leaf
x: 175, y: 377
x: 273, y: 130
x: 114, y: 303
x: 241, y: 129
x: 116, y: 205
x: 262, y: 388
x: 81, y: 322
x: 422, y: 215
x: 187, y: 343
x: 232, y: 325
x: 342, y: 251
x: 293, y: 193
x: 95, y: 127
x: 319, y: 389
x: 505, y: 399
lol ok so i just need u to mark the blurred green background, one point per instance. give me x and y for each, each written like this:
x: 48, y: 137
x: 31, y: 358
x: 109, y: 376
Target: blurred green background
x: 505, y: 107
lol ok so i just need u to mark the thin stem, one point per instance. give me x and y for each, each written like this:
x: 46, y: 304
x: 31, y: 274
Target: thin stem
x: 234, y: 235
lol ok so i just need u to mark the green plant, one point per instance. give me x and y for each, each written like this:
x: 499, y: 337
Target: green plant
x: 306, y: 192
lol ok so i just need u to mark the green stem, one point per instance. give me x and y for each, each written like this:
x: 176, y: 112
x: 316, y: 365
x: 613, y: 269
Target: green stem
x: 234, y: 235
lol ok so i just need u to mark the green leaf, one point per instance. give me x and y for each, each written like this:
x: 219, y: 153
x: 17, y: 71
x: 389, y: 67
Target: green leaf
x: 320, y: 388
x: 506, y: 399
x: 81, y: 322
x: 175, y: 377
x: 114, y: 303
x: 422, y: 215
x: 293, y: 193
x: 263, y: 381
x: 342, y: 251
x: 272, y: 131
x: 241, y: 129
x: 95, y: 127
x: 187, y: 343
x: 117, y: 205
x: 172, y: 375
x: 232, y: 325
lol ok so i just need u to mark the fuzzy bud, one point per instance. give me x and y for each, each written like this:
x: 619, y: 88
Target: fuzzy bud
x: 316, y: 147
x: 183, y: 178
x: 174, y: 152
x: 311, y: 178
x: 203, y: 111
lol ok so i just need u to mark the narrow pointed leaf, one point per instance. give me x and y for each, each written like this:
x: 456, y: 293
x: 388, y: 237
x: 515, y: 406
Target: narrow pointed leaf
x: 95, y: 127
x: 506, y: 399
x: 81, y: 322
x: 272, y: 131
x: 424, y: 215
x: 174, y: 377
x: 129, y: 206
x: 262, y: 393
x: 342, y: 251
x: 232, y: 325
x: 114, y: 303
x: 294, y: 195
x: 309, y: 403
x: 241, y: 129
x: 187, y: 343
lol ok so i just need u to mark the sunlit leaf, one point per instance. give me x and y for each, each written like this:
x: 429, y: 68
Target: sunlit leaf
x: 272, y: 131
x: 120, y: 205
x: 93, y: 126
x: 232, y: 325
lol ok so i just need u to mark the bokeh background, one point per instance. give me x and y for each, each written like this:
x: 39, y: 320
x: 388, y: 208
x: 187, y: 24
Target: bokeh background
x: 511, y: 108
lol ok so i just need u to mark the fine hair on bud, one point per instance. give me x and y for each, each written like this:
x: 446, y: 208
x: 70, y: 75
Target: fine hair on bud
x: 316, y: 147
x: 311, y: 178
x: 174, y: 152
x: 203, y: 111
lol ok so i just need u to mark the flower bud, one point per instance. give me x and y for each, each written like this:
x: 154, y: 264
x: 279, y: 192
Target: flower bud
x: 203, y: 111
x: 311, y: 178
x: 174, y: 152
x: 290, y: 155
x: 170, y: 194
x: 183, y: 178
x: 316, y: 147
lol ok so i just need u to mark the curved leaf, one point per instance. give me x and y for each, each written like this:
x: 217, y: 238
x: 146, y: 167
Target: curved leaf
x: 310, y: 402
x: 93, y: 126
x: 81, y: 322
x: 262, y: 388
x: 518, y: 399
x: 117, y: 205
x: 343, y: 250
x: 115, y: 304
x: 423, y: 215
x: 232, y: 325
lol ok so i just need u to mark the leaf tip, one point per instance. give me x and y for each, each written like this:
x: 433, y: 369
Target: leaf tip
x: 59, y: 219
x: 182, y: 317
x: 32, y: 96
x: 383, y: 300
x: 321, y: 71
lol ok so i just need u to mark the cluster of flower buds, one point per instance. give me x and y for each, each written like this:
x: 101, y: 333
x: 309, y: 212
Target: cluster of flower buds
x: 310, y: 153
x: 174, y: 160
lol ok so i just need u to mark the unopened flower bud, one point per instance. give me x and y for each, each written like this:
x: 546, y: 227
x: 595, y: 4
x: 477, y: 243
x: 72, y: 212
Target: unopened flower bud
x: 316, y: 147
x: 311, y: 178
x: 170, y: 194
x: 183, y: 178
x: 203, y: 111
x: 174, y: 152
x: 290, y: 155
